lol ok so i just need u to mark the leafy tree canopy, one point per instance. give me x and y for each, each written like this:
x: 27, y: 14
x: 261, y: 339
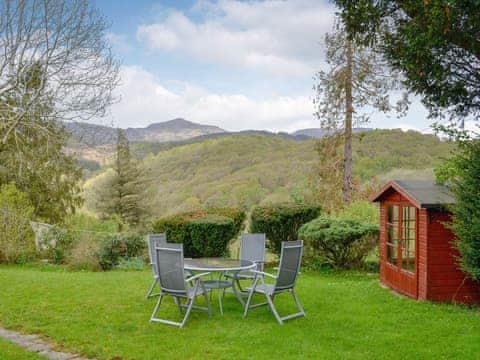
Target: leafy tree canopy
x: 32, y: 155
x: 461, y: 173
x: 436, y: 44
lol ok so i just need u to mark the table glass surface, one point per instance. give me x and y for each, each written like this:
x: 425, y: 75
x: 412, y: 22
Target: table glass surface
x: 218, y: 264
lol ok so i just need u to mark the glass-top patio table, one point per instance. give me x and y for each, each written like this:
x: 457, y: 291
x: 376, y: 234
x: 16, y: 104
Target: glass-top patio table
x: 220, y: 265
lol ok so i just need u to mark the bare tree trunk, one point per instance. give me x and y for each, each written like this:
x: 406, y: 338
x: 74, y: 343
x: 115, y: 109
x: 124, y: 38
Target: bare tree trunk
x: 347, y: 159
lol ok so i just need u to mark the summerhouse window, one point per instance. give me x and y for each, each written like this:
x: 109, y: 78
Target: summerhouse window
x: 392, y: 234
x: 401, y: 236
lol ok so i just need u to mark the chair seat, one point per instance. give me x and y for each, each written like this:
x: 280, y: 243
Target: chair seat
x: 266, y: 289
x: 190, y: 291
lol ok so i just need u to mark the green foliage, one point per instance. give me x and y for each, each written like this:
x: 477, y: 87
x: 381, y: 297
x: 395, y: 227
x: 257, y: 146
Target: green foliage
x: 32, y: 150
x: 343, y: 244
x: 361, y: 210
x: 84, y: 221
x: 462, y: 174
x: 115, y: 247
x: 237, y: 215
x: 123, y: 194
x: 247, y: 170
x: 16, y: 236
x: 57, y: 244
x: 84, y: 254
x: 381, y: 151
x: 281, y: 222
x: 433, y: 43
x: 203, y: 233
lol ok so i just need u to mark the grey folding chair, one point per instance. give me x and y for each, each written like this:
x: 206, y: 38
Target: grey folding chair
x: 172, y: 282
x: 252, y: 247
x: 285, y: 280
x: 154, y: 240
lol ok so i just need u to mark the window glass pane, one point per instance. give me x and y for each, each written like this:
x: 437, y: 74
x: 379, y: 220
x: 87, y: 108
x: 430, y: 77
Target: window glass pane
x: 392, y: 236
x: 409, y: 261
x: 412, y: 213
x: 392, y: 216
x: 392, y: 254
x: 408, y: 232
x: 411, y: 233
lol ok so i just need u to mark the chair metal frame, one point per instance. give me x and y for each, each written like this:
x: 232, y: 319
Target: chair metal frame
x: 153, y: 240
x: 245, y: 275
x: 270, y: 291
x: 180, y: 293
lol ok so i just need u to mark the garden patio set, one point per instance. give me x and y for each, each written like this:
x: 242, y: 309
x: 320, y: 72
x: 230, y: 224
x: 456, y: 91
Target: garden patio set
x: 186, y: 279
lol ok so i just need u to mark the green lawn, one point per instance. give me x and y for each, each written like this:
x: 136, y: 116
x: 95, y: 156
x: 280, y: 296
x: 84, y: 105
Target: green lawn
x: 349, y: 317
x: 9, y: 351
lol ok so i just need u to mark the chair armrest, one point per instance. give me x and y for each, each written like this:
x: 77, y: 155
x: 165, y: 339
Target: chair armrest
x: 263, y: 274
x: 276, y: 268
x: 195, y: 277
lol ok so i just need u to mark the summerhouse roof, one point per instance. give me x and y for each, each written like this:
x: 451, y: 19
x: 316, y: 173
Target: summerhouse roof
x: 422, y: 193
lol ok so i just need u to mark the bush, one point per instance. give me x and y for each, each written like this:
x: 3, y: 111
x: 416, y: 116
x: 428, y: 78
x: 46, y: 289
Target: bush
x: 340, y: 243
x: 203, y: 233
x: 16, y: 236
x: 238, y: 216
x: 115, y: 247
x: 84, y: 255
x: 57, y: 244
x: 281, y: 222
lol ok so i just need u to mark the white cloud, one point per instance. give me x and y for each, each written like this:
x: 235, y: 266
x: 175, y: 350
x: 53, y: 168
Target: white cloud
x: 145, y: 100
x: 278, y: 37
x: 119, y: 43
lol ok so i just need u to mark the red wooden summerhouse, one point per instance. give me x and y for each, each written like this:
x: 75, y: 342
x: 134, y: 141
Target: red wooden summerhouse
x: 417, y: 256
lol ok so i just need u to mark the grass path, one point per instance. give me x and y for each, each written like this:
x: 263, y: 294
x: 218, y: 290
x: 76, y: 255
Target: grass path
x: 350, y: 316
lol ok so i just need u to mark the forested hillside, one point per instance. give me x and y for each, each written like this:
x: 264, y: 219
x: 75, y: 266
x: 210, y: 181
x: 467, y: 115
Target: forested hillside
x: 243, y: 170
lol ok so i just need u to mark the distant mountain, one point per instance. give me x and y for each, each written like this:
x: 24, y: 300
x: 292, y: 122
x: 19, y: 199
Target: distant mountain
x: 172, y: 130
x: 318, y: 133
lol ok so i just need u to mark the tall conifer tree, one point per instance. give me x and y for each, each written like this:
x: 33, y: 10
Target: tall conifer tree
x: 124, y: 194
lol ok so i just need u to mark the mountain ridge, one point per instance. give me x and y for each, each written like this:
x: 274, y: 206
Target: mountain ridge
x: 176, y: 130
x: 172, y: 130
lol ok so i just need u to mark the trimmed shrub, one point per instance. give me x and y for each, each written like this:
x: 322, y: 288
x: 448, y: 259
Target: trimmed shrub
x: 17, y: 243
x: 115, y: 247
x: 203, y: 233
x: 238, y: 216
x: 281, y: 222
x: 343, y: 244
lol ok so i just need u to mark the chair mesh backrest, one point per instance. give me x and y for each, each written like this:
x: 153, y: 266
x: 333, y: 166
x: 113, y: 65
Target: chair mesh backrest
x: 290, y: 261
x: 154, y: 240
x: 252, y: 247
x: 170, y: 268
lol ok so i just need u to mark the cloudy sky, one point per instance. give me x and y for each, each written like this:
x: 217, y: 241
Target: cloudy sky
x: 235, y: 64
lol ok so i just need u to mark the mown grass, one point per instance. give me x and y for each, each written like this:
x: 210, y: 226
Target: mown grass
x: 9, y: 351
x: 350, y: 316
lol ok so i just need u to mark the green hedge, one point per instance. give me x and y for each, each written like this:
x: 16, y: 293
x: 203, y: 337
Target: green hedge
x: 281, y: 222
x: 340, y: 243
x: 203, y: 233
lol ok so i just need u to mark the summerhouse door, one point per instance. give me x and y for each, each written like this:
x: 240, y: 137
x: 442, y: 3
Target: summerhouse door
x: 401, y: 248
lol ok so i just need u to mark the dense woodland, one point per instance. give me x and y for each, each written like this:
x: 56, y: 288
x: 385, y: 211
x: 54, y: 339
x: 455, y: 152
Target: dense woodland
x: 243, y: 171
